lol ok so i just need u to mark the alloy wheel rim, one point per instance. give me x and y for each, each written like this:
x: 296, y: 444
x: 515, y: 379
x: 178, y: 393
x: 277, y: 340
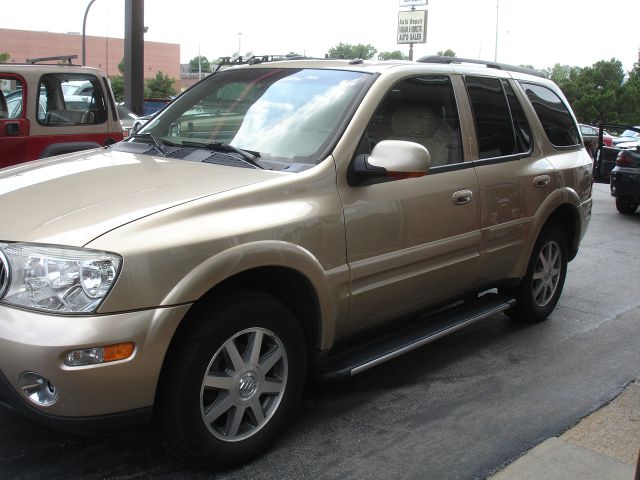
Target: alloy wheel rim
x: 546, y: 274
x: 243, y: 384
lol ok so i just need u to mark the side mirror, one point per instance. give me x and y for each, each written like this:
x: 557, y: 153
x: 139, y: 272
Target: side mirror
x: 390, y: 160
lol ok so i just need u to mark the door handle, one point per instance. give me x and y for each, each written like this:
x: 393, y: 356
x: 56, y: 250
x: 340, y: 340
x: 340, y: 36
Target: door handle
x: 541, y: 181
x: 461, y: 197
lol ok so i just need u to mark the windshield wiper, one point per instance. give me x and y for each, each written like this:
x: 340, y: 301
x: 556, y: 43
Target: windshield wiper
x: 247, y: 156
x: 157, y: 143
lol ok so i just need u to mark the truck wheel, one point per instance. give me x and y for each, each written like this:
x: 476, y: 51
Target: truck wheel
x: 232, y: 380
x: 626, y: 205
x: 540, y: 289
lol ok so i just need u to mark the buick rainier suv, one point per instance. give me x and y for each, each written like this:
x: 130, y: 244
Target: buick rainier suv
x: 276, y: 221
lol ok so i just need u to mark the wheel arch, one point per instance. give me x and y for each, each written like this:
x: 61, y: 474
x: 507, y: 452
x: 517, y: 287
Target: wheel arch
x: 561, y: 208
x: 285, y: 271
x: 61, y: 148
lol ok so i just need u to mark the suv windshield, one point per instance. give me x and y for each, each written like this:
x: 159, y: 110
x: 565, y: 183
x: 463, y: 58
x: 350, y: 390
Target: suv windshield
x: 284, y: 115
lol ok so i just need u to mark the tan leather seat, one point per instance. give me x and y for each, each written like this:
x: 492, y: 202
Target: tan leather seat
x: 419, y: 124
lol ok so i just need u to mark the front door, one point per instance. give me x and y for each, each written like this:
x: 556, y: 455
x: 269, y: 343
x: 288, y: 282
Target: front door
x: 412, y: 242
x: 14, y: 126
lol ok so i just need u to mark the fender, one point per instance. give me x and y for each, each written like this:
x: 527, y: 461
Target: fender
x: 559, y: 197
x: 329, y: 286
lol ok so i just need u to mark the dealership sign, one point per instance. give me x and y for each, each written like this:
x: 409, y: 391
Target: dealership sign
x: 413, y: 3
x: 412, y: 26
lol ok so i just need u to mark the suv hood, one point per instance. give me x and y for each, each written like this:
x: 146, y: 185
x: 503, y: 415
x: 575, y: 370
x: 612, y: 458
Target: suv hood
x: 73, y: 199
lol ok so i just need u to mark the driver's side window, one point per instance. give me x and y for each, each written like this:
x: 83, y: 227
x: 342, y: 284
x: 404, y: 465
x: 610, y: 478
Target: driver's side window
x: 11, y: 98
x: 421, y: 110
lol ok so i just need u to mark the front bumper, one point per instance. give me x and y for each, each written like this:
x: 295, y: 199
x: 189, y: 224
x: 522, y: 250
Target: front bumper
x: 37, y: 342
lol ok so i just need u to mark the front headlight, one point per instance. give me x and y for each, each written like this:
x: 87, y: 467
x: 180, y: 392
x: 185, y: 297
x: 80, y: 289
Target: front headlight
x: 56, y: 279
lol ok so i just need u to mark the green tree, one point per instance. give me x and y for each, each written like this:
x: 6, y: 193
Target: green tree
x: 629, y: 102
x: 594, y: 92
x: 395, y: 55
x: 117, y: 86
x: 4, y: 57
x: 160, y: 87
x: 446, y: 53
x: 121, y: 66
x: 205, y: 65
x: 349, y: 51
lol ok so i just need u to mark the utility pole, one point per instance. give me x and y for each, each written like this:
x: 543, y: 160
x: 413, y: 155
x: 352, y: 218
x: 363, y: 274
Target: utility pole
x: 134, y: 55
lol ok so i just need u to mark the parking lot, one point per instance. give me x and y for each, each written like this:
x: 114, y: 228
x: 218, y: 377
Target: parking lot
x: 459, y: 408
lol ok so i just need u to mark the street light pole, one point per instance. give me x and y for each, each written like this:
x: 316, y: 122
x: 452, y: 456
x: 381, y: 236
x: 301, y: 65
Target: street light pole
x: 239, y: 42
x: 495, y: 55
x: 84, y: 31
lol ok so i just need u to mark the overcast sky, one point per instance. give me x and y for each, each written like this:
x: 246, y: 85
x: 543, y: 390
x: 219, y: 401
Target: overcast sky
x: 540, y: 33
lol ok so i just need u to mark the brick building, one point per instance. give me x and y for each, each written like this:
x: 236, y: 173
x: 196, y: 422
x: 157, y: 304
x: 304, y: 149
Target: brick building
x: 104, y: 53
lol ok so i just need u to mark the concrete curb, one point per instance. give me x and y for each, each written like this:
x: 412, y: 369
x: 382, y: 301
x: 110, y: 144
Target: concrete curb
x: 555, y: 459
x: 603, y: 446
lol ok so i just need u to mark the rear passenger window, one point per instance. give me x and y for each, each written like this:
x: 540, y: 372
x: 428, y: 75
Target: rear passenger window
x: 70, y: 99
x: 521, y: 127
x: 554, y: 115
x: 501, y: 125
x: 421, y: 110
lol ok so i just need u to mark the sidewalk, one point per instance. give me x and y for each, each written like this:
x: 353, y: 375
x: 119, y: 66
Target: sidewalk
x: 603, y: 446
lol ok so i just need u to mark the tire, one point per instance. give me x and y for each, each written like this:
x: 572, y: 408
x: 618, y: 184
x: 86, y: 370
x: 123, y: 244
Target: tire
x: 232, y: 379
x: 626, y: 206
x: 540, y: 289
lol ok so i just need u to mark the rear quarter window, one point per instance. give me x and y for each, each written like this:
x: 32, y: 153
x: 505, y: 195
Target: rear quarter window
x: 554, y: 115
x: 60, y: 103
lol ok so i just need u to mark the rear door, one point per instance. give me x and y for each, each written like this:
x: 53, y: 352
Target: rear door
x: 64, y: 119
x: 514, y: 174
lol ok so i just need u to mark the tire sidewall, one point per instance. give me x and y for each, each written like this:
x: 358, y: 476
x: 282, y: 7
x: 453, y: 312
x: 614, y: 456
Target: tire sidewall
x: 527, y: 308
x: 214, y: 327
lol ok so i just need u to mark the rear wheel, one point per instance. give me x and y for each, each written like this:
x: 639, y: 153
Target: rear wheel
x: 232, y: 380
x: 540, y: 289
x: 626, y: 205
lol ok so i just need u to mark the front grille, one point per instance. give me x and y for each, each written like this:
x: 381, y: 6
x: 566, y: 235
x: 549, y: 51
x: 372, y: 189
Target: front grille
x: 4, y: 274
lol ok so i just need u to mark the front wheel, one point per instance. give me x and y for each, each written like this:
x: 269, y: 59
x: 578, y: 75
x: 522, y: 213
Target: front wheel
x: 540, y: 289
x: 626, y: 206
x: 232, y: 380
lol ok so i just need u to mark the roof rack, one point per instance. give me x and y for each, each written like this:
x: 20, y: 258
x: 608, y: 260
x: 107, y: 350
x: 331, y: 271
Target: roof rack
x: 251, y: 59
x: 67, y: 58
x: 497, y: 66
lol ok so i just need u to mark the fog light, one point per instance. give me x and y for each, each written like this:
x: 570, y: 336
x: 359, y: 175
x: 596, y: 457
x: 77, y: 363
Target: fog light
x: 38, y: 389
x: 97, y: 355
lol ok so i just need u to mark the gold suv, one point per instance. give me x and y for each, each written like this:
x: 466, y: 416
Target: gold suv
x: 263, y: 224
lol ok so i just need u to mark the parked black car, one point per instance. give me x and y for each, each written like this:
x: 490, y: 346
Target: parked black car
x: 625, y: 181
x: 606, y: 155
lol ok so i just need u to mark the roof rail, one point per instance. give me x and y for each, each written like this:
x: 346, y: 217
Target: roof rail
x: 497, y: 66
x: 67, y: 58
